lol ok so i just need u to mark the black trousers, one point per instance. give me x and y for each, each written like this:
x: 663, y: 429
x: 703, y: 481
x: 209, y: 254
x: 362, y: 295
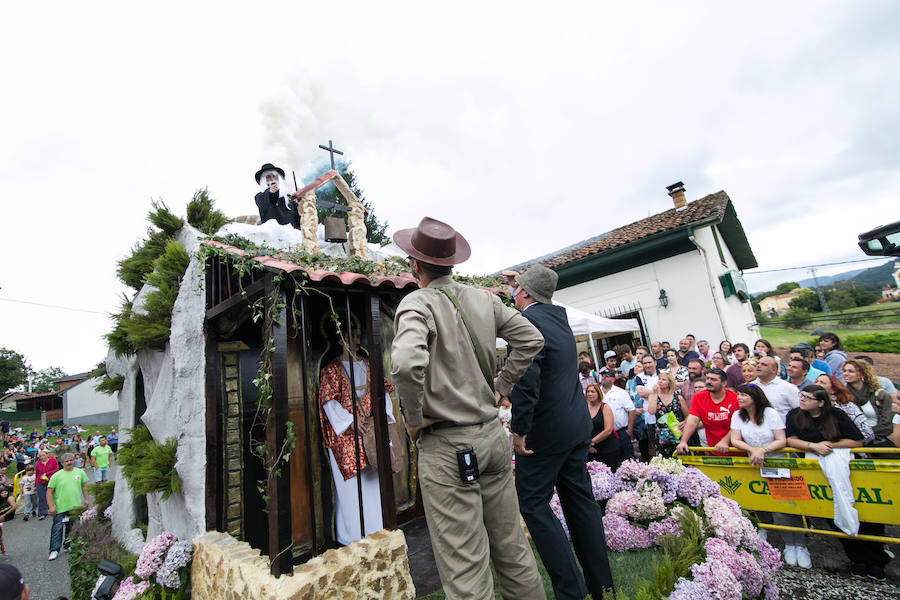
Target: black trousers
x: 536, y: 476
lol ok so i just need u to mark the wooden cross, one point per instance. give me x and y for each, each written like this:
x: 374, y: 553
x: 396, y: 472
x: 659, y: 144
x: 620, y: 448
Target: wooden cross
x: 332, y: 151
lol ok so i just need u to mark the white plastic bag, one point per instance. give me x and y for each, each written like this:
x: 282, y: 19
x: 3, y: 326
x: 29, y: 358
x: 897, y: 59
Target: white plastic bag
x: 836, y: 467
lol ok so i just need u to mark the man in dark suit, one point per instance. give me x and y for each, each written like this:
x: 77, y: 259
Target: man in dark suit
x: 551, y: 429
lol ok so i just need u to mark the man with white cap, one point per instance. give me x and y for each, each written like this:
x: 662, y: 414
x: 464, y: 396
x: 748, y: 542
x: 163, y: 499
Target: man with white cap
x: 443, y: 359
x: 551, y: 429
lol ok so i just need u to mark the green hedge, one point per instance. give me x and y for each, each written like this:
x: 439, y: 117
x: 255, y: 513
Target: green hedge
x: 147, y: 465
x: 887, y: 342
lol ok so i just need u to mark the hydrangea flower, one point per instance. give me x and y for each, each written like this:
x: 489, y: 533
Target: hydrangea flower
x: 178, y: 557
x: 725, y: 519
x: 632, y: 469
x: 672, y: 466
x: 718, y: 578
x: 153, y: 554
x: 769, y: 557
x: 693, y: 486
x: 129, y: 590
x: 622, y: 535
x: 685, y: 589
x: 771, y: 590
x: 556, y: 507
x: 88, y: 514
x: 108, y: 512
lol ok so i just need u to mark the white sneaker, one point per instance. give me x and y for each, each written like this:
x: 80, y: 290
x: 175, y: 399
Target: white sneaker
x: 53, y: 555
x: 790, y: 555
x: 803, y: 560
x: 762, y: 533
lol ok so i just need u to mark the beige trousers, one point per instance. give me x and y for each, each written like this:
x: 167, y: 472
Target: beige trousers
x: 472, y: 524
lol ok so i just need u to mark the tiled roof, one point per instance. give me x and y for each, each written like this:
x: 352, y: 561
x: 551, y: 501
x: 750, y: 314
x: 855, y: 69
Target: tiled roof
x: 708, y: 208
x: 404, y: 281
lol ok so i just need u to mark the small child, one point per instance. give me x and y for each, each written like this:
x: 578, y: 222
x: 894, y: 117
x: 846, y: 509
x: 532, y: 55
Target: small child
x: 29, y: 491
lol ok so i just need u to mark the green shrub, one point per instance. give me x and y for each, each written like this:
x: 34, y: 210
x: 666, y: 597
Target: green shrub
x: 200, y: 213
x: 117, y: 339
x: 111, y: 385
x: 133, y: 269
x: 93, y: 541
x: 103, y: 494
x: 888, y: 342
x: 163, y: 218
x: 147, y: 465
x: 796, y: 317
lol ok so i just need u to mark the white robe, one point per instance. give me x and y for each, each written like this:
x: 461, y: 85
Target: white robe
x: 346, y: 516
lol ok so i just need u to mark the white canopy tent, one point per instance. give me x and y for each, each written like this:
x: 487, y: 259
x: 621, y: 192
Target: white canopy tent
x: 584, y: 323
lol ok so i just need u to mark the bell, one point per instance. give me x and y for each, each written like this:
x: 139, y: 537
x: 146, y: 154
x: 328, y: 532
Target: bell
x: 335, y: 229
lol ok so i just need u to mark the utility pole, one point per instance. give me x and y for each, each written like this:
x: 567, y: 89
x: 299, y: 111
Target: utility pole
x: 819, y: 291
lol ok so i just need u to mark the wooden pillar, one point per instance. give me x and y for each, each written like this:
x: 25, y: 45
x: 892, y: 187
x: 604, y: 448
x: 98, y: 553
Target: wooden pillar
x: 382, y: 440
x: 212, y: 425
x: 278, y: 488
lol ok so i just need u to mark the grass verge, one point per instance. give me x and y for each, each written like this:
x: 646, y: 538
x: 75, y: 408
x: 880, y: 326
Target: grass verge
x: 628, y: 570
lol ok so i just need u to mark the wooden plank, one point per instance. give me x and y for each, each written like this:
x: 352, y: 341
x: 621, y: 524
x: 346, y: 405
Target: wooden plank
x: 212, y: 431
x: 252, y: 291
x: 278, y: 488
x: 301, y: 526
x: 376, y: 384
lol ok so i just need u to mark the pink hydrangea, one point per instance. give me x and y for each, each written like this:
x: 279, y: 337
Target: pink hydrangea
x: 632, y: 470
x: 718, y: 578
x: 556, y: 507
x: 769, y: 557
x: 89, y: 514
x: 153, y: 555
x: 725, y: 519
x: 129, y: 590
x: 622, y: 535
x: 771, y: 590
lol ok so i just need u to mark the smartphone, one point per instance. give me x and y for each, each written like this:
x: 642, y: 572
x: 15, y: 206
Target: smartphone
x: 468, y: 465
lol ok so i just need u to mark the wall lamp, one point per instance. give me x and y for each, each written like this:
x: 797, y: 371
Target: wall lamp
x: 663, y: 299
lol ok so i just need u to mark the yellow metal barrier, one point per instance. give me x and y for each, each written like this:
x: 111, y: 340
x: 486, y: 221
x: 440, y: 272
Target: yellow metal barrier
x: 806, y: 491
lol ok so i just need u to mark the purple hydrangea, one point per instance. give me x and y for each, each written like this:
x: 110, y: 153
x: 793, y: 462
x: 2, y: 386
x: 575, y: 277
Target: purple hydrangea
x: 686, y: 589
x: 692, y: 485
x: 153, y: 554
x: 622, y: 535
x: 771, y: 590
x: 108, y: 512
x: 178, y: 557
x: 769, y: 557
x: 556, y: 507
x: 632, y: 470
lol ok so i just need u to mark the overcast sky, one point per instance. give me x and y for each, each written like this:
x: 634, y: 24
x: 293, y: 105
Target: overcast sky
x: 528, y: 128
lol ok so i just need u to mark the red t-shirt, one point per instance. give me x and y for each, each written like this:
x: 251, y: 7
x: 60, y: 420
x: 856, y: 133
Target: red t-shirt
x: 715, y: 417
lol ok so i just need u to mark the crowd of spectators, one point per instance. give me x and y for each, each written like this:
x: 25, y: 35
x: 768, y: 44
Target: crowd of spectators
x: 816, y: 400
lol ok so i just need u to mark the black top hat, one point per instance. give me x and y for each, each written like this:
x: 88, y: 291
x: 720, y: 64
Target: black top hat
x: 268, y: 167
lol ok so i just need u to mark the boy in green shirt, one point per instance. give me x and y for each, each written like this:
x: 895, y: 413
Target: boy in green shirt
x: 67, y: 489
x: 100, y: 460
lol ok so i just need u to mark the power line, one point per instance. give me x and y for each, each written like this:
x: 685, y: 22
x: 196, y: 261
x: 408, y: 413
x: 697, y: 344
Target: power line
x: 84, y: 310
x: 843, y: 262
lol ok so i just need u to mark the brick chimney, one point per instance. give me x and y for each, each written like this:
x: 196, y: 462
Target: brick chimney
x: 676, y: 191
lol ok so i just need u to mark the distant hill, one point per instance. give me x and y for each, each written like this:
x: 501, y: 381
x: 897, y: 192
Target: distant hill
x: 829, y: 279
x: 875, y: 276
x: 880, y: 275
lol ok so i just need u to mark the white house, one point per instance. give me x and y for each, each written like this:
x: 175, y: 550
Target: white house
x: 677, y: 272
x: 82, y: 404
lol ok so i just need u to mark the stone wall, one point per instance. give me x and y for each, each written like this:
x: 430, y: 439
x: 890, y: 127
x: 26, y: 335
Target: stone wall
x: 373, y: 568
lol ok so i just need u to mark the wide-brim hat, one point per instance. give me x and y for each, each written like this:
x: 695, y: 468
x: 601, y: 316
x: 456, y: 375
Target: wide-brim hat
x: 540, y: 283
x: 268, y: 167
x: 434, y: 242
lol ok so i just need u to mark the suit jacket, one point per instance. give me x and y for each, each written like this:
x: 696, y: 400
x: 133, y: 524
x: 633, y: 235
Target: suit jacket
x: 548, y: 404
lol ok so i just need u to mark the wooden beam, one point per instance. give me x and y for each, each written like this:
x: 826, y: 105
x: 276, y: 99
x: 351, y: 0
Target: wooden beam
x: 250, y: 292
x: 212, y: 430
x: 278, y: 488
x: 382, y: 439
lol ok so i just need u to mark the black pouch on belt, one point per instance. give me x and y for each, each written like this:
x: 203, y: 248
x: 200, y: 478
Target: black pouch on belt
x: 468, y: 464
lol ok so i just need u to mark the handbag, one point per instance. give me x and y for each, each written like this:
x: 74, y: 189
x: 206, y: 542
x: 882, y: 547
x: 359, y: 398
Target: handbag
x: 370, y: 447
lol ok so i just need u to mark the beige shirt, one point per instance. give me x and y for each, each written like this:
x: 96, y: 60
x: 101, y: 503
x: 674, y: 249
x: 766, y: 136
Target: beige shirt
x: 435, y: 369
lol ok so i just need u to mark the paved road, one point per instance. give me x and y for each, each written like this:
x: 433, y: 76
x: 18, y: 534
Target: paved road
x: 28, y: 546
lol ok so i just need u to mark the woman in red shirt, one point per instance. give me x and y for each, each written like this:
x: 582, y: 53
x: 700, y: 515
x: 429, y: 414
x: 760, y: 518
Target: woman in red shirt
x: 44, y: 469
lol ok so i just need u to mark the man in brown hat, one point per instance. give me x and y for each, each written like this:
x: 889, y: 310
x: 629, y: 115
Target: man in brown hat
x: 443, y: 359
x: 551, y: 429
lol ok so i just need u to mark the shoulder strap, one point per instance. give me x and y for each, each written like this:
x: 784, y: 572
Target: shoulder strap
x: 479, y: 351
